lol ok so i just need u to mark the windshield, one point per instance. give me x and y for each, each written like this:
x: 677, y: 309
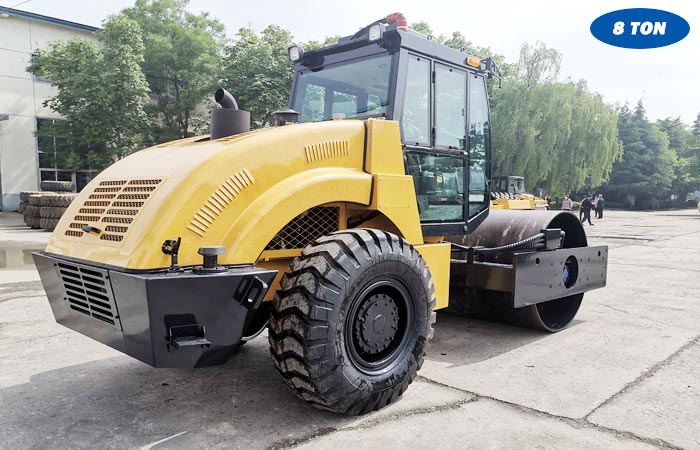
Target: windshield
x: 500, y: 184
x: 357, y: 89
x: 519, y: 185
x: 512, y: 185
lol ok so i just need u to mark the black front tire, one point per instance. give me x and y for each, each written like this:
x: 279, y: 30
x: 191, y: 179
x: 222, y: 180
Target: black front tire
x: 351, y: 325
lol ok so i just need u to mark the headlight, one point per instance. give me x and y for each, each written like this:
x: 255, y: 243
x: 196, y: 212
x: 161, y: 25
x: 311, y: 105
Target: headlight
x: 296, y: 53
x: 375, y: 32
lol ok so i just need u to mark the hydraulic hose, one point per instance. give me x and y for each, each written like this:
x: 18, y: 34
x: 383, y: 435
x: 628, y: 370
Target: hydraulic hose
x: 533, y: 242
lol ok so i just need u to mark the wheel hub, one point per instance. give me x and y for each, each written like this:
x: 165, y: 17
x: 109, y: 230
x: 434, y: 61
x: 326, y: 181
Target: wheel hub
x: 377, y: 324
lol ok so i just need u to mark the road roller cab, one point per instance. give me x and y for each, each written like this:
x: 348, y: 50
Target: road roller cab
x: 348, y: 225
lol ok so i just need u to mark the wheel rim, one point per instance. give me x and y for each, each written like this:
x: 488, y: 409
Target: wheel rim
x: 380, y: 325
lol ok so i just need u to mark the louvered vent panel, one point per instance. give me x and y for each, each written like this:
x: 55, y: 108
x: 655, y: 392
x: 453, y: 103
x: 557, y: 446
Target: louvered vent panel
x: 219, y: 201
x: 87, y: 291
x: 326, y: 150
x: 115, y: 202
x: 305, y: 228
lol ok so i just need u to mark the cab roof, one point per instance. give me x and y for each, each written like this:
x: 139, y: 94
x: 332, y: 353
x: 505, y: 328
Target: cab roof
x: 393, y: 38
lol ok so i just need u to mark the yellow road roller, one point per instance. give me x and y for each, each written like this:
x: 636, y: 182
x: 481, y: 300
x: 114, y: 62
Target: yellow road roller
x: 341, y: 230
x: 508, y: 192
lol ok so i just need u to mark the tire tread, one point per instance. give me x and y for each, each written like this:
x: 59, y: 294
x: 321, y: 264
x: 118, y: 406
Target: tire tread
x: 302, y: 318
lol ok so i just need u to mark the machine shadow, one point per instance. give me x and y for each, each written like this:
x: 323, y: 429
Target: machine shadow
x: 121, y: 403
x: 461, y: 340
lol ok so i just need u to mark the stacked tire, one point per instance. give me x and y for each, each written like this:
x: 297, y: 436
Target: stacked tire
x: 52, y: 207
x: 31, y: 211
x: 57, y: 186
x: 44, y: 209
x: 24, y: 200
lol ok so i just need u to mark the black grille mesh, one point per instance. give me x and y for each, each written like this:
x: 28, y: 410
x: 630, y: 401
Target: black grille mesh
x: 305, y: 228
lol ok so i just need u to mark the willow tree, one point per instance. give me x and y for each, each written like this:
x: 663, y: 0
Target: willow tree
x: 560, y: 136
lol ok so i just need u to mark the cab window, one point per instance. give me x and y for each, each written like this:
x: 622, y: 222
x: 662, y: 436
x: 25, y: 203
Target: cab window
x: 439, y: 183
x: 450, y: 107
x: 479, y: 150
x: 415, y: 119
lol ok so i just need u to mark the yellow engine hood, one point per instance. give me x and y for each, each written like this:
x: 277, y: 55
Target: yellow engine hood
x: 236, y: 191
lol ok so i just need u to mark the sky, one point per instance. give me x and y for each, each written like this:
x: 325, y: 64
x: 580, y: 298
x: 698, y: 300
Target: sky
x: 665, y: 79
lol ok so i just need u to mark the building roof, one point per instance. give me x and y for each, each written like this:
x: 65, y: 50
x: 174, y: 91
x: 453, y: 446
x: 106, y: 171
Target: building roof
x: 47, y: 19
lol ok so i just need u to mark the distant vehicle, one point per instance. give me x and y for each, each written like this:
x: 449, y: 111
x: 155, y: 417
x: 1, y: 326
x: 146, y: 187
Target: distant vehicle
x: 508, y: 192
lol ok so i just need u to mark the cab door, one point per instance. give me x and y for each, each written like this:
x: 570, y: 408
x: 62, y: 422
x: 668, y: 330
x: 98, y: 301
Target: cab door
x: 479, y: 151
x: 438, y: 136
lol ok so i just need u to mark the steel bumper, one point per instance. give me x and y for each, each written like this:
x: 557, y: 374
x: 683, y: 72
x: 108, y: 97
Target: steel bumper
x: 539, y: 276
x: 163, y: 318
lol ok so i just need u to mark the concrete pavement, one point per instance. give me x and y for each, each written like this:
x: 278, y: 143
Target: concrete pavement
x: 624, y: 375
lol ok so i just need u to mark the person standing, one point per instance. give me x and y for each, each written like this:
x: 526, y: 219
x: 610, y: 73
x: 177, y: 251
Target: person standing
x: 567, y: 204
x: 586, y: 206
x: 595, y: 206
x: 600, y: 204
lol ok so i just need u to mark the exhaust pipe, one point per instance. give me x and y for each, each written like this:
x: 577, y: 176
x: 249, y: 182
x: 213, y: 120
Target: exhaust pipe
x: 225, y: 99
x: 228, y: 120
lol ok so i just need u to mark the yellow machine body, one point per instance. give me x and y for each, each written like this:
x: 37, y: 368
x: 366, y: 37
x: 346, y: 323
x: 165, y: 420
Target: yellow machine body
x: 508, y: 192
x: 172, y: 254
x: 521, y: 201
x: 240, y: 191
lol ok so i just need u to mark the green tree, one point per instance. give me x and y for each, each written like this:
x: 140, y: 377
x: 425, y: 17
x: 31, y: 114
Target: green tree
x: 458, y: 41
x: 258, y: 72
x: 646, y: 168
x: 422, y: 27
x: 695, y: 129
x: 560, y: 136
x: 183, y: 61
x: 313, y: 45
x: 102, y: 95
x: 686, y: 148
x: 538, y: 64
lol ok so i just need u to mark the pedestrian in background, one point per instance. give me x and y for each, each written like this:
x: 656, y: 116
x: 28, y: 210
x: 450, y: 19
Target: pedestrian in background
x: 586, y: 206
x: 595, y: 205
x: 600, y: 204
x: 567, y: 204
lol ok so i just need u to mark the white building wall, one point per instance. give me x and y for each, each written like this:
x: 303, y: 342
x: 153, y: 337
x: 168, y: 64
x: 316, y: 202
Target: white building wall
x: 22, y: 98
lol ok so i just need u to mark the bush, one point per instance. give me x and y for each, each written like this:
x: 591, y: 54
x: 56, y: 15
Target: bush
x: 648, y: 203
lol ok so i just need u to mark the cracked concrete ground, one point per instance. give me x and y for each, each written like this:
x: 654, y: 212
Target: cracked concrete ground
x: 624, y: 375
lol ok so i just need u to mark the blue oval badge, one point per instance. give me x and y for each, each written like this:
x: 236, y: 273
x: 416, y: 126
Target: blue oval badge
x: 640, y: 28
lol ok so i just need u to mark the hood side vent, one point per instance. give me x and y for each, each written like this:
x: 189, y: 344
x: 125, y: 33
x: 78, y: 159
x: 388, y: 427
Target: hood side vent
x: 219, y: 201
x: 326, y: 150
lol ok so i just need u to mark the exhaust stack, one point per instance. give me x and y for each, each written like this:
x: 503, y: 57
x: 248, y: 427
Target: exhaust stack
x: 228, y: 120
